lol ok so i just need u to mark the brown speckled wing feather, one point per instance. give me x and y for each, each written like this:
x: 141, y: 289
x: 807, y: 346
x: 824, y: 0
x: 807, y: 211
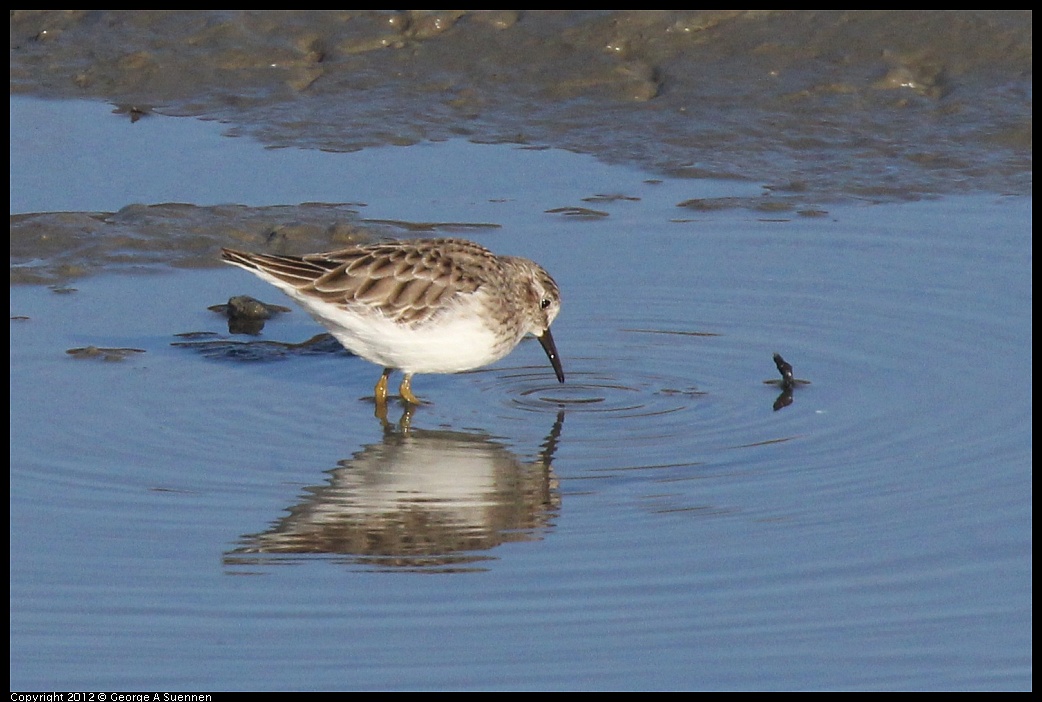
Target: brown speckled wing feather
x: 407, y: 281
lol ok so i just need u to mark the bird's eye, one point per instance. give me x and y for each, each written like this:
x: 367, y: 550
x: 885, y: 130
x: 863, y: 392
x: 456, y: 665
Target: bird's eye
x: 544, y: 303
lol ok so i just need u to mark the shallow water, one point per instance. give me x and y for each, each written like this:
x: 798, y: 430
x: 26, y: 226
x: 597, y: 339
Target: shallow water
x: 196, y: 517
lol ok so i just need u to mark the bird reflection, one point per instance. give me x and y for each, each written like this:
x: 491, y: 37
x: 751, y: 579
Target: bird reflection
x: 418, y: 499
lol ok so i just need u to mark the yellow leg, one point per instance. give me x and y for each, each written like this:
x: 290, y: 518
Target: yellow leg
x: 380, y: 395
x: 381, y: 387
x: 405, y: 390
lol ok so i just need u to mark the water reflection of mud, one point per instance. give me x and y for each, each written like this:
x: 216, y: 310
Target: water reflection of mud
x: 418, y: 499
x: 212, y: 346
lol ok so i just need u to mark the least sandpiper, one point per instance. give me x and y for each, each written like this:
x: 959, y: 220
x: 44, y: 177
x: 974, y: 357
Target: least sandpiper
x: 419, y: 306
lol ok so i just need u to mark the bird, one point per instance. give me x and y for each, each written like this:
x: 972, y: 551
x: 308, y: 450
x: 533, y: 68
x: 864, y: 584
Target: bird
x: 441, y: 305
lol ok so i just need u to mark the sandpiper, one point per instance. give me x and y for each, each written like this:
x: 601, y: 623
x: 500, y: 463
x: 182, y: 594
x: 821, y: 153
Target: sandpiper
x: 419, y: 306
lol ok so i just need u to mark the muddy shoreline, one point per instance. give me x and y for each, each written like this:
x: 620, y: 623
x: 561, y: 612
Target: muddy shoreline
x: 815, y: 108
x: 876, y: 104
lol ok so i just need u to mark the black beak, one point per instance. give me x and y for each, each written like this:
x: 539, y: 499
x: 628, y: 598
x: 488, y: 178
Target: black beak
x: 547, y: 342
